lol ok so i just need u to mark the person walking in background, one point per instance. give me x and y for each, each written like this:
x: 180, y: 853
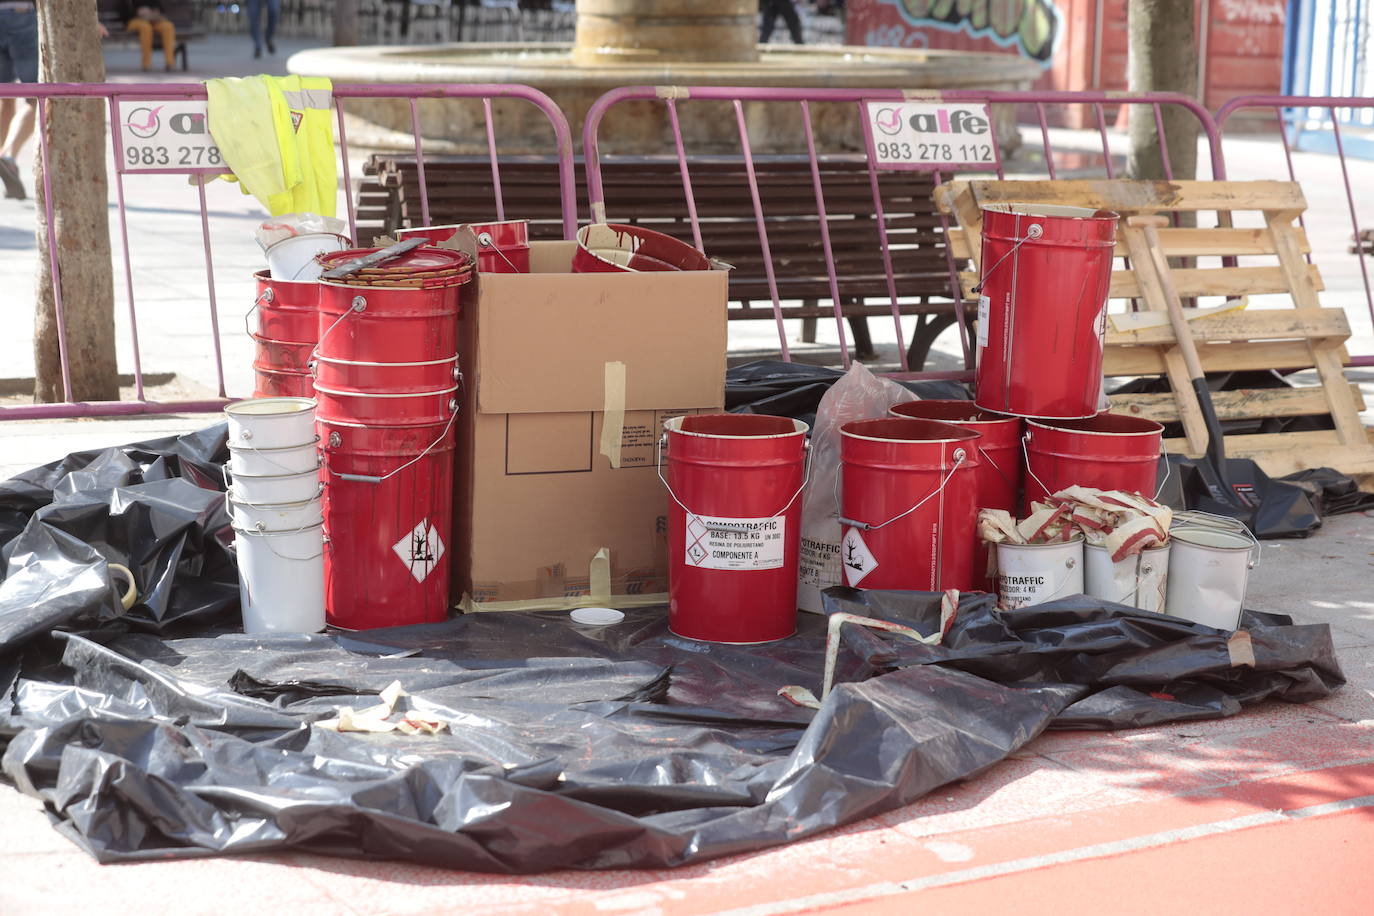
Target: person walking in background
x: 18, y: 61
x: 254, y: 19
x: 771, y: 10
x: 143, y: 18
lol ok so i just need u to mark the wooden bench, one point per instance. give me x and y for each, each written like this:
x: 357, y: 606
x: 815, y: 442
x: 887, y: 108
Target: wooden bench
x: 648, y: 191
x: 178, y: 11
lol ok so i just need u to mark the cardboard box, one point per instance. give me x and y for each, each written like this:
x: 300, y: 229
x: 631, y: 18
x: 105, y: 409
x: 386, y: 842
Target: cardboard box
x: 567, y: 381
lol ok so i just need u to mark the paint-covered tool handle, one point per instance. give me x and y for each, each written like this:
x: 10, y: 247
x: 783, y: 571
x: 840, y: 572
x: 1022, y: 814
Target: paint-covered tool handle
x: 376, y: 257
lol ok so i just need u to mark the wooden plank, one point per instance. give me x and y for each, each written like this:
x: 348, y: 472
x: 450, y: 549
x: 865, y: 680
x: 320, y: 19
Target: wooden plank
x: 1248, y: 324
x: 1228, y: 282
x: 1283, y: 453
x: 1128, y: 196
x: 1280, y: 354
x: 1180, y: 243
x: 1185, y: 400
x: 1243, y: 404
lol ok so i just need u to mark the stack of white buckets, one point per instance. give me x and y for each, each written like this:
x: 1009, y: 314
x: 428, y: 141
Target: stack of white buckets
x: 274, y: 503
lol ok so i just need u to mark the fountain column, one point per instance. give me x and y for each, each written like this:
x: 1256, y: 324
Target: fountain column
x: 654, y: 31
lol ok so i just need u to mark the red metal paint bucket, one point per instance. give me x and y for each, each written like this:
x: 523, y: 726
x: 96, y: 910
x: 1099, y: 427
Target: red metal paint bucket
x: 613, y: 247
x: 1109, y: 451
x: 386, y: 408
x: 909, y: 504
x: 388, y: 519
x: 281, y: 383
x: 1046, y: 271
x: 286, y: 309
x: 282, y: 354
x: 734, y: 525
x: 387, y: 325
x: 399, y: 378
x: 502, y: 248
x: 999, y: 454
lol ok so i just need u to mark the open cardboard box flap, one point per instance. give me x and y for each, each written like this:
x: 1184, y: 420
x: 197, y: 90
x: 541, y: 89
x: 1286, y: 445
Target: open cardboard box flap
x: 547, y: 336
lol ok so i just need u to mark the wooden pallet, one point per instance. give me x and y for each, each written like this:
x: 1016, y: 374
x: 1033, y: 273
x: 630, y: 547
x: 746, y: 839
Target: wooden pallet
x: 1305, y: 336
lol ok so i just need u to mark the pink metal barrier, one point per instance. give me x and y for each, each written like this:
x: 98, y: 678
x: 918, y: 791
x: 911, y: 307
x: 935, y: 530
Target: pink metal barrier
x: 163, y: 164
x: 1294, y: 116
x: 1055, y: 161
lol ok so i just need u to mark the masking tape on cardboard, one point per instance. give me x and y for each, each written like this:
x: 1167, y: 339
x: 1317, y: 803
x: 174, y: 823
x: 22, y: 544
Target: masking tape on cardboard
x: 613, y: 423
x: 1241, y: 649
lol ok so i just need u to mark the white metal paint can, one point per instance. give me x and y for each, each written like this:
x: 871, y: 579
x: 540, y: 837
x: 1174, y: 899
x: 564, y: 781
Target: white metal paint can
x: 1209, y: 569
x: 272, y: 489
x: 268, y: 462
x: 1030, y: 574
x: 263, y: 423
x: 273, y: 517
x: 1138, y: 581
x: 281, y: 580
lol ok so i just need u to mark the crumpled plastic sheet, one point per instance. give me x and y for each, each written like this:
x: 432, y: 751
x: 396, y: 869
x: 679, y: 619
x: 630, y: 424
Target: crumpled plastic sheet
x: 150, y: 737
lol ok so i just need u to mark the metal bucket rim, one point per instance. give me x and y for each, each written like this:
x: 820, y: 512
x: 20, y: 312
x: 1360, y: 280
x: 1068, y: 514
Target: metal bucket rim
x: 1038, y: 422
x: 1044, y: 211
x: 267, y: 533
x: 258, y: 338
x: 968, y: 437
x: 1162, y: 548
x: 1244, y: 542
x: 1002, y: 419
x: 293, y: 504
x: 1076, y: 539
x: 674, y: 425
x: 276, y: 448
x: 266, y: 275
x: 313, y: 472
x: 334, y: 392
x: 359, y: 362
x: 244, y: 409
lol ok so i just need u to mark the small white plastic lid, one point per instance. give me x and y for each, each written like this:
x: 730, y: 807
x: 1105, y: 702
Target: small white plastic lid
x: 597, y: 616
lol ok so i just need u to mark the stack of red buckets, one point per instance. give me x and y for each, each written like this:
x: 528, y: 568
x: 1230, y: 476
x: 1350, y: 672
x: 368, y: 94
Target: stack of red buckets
x: 386, y: 379
x: 288, y: 326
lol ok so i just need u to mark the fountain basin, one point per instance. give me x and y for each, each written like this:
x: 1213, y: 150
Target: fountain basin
x: 641, y: 128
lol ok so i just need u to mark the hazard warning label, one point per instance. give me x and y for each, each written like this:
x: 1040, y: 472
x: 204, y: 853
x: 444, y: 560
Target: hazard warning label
x: 858, y: 560
x: 735, y: 543
x: 420, y: 550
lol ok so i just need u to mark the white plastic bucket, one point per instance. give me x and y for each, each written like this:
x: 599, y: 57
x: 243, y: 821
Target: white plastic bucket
x: 278, y: 488
x: 294, y: 258
x: 1030, y: 574
x: 281, y: 580
x: 1138, y: 581
x: 1209, y: 569
x: 273, y: 517
x: 263, y: 423
x: 272, y: 462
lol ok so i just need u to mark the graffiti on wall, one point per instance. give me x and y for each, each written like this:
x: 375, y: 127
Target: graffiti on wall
x: 1030, y: 26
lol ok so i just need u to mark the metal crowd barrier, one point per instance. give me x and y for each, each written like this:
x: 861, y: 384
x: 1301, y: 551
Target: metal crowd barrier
x: 1294, y: 116
x: 1055, y: 163
x: 113, y: 94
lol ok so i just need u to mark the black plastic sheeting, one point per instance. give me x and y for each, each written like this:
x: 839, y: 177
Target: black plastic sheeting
x: 163, y: 733
x: 795, y: 389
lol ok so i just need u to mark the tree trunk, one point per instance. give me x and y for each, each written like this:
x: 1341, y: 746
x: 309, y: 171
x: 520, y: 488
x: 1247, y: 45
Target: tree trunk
x: 79, y: 231
x: 1163, y: 58
x: 345, y: 23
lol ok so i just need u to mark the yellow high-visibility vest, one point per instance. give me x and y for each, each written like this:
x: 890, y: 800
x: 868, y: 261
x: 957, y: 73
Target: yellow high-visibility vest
x: 276, y: 133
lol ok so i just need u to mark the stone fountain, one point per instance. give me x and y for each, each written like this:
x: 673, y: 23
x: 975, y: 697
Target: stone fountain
x: 649, y: 42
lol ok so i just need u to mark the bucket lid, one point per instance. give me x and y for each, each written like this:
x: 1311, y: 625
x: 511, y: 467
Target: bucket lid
x: 635, y: 248
x: 269, y: 408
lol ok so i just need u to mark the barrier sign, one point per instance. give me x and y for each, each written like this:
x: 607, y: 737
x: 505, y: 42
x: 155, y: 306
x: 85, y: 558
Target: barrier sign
x: 165, y: 136
x: 930, y: 135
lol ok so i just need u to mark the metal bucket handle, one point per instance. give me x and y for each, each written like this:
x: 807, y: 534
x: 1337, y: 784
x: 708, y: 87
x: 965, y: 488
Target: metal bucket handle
x: 1195, y: 518
x: 370, y: 478
x: 359, y: 304
x: 1025, y: 454
x: 658, y: 466
x: 959, y: 456
x: 1033, y: 231
x: 324, y: 539
x: 319, y: 488
x: 224, y: 469
x: 486, y: 241
x: 264, y: 296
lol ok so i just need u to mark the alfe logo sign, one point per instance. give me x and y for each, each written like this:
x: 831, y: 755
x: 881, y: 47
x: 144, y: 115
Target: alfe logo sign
x: 166, y: 136
x: 923, y: 135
